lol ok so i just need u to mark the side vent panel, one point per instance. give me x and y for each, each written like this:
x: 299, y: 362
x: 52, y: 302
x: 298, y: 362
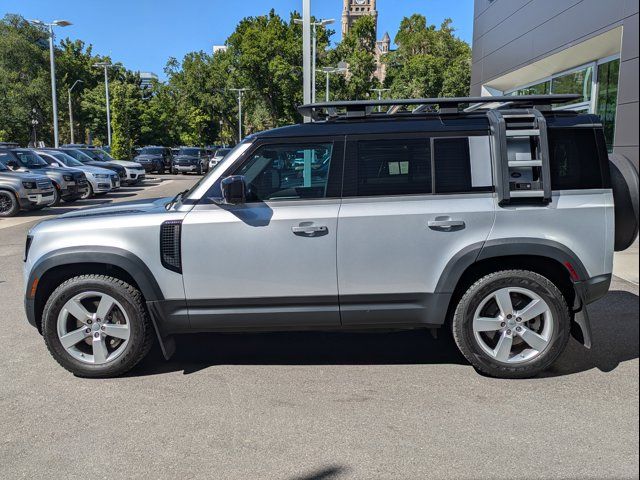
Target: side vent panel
x: 170, y: 245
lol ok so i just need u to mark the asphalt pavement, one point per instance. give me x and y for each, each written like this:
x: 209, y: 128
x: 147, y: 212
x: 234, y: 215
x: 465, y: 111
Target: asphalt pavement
x: 314, y: 406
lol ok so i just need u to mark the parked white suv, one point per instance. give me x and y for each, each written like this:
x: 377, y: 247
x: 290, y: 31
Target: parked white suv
x: 495, y: 223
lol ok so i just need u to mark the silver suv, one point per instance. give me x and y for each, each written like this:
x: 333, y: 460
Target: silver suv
x: 23, y: 191
x: 497, y: 223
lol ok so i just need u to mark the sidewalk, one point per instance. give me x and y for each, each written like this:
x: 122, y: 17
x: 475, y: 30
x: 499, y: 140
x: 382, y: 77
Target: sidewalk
x: 625, y: 264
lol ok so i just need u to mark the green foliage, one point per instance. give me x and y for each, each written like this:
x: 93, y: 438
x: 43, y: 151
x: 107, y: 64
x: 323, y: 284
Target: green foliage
x: 125, y: 119
x: 429, y: 62
x: 196, y: 105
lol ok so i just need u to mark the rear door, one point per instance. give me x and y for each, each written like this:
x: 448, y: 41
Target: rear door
x: 411, y: 204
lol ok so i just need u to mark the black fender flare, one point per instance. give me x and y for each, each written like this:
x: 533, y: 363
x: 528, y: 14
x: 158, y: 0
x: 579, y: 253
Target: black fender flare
x: 117, y: 257
x: 534, y: 247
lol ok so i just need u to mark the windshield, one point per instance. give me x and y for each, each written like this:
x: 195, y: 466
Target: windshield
x: 222, y: 152
x: 102, y: 156
x: 80, y: 156
x: 151, y: 151
x: 65, y: 159
x: 30, y: 159
x: 2, y: 167
x: 192, y: 152
x: 93, y: 154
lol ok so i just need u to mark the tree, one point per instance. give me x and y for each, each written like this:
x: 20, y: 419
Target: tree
x: 429, y: 62
x: 358, y: 50
x: 126, y: 110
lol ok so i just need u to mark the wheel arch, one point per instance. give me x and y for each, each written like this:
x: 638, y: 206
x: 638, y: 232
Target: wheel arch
x: 56, y: 267
x: 546, y: 257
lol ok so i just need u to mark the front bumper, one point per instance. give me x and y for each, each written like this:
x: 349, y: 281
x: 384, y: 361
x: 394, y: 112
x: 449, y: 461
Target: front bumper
x: 36, y: 198
x: 135, y: 176
x: 186, y: 168
x: 74, y: 190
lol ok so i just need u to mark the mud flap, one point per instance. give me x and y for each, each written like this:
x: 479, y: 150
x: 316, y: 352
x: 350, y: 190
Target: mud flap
x: 167, y: 342
x: 581, y: 325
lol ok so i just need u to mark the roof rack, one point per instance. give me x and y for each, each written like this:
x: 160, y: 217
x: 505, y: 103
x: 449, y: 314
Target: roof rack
x: 454, y: 105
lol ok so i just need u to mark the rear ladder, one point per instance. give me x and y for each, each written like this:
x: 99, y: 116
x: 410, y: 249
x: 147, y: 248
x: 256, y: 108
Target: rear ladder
x: 522, y: 169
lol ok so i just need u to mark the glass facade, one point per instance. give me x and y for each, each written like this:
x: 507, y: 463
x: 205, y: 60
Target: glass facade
x: 608, y: 74
x: 596, y: 82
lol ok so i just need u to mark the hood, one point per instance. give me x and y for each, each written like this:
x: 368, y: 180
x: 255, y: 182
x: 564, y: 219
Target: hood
x: 124, y: 163
x: 145, y: 157
x: 95, y: 170
x: 26, y: 176
x: 136, y: 207
x: 187, y: 157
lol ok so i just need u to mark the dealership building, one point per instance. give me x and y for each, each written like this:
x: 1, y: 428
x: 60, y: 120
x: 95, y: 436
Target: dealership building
x: 588, y: 47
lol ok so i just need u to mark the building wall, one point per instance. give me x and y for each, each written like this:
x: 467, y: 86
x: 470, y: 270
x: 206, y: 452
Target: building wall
x: 511, y: 34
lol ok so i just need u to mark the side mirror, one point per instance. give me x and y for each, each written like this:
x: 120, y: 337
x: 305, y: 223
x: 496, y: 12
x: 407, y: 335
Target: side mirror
x: 54, y: 165
x: 234, y: 190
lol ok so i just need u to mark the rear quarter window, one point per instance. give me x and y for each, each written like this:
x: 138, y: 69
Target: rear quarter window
x: 575, y: 159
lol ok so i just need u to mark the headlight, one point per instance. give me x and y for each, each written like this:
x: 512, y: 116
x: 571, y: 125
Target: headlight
x: 68, y: 178
x: 29, y: 185
x: 102, y: 176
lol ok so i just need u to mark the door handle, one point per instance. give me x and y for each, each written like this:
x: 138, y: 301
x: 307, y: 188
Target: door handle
x: 446, y: 224
x: 310, y: 230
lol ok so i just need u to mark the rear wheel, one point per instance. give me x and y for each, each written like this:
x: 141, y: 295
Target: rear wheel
x: 512, y: 324
x: 9, y: 206
x: 96, y: 326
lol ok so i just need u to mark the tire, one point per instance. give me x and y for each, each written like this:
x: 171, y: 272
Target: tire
x: 88, y: 194
x: 57, y: 198
x: 9, y: 206
x: 624, y: 182
x: 129, y: 305
x: 526, y: 361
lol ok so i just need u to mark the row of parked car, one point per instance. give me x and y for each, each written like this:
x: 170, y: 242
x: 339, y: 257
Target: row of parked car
x: 180, y: 160
x: 32, y: 179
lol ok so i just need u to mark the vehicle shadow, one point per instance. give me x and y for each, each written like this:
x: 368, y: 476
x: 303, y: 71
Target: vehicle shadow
x: 199, y: 351
x: 615, y: 340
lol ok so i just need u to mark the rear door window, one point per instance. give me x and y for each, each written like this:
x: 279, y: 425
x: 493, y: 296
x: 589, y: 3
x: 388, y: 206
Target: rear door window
x: 390, y: 167
x: 575, y: 160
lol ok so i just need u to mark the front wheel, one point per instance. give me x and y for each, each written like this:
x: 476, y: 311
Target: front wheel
x: 9, y: 206
x: 96, y: 326
x: 88, y: 194
x: 512, y: 324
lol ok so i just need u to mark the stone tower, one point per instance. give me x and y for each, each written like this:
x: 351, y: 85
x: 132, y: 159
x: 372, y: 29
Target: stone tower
x: 354, y: 9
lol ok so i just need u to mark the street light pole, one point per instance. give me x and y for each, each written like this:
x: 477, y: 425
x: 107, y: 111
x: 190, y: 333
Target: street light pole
x: 105, y: 66
x: 380, y: 91
x: 54, y: 97
x: 71, y: 111
x: 306, y: 54
x: 314, y: 49
x: 240, y: 92
x: 328, y: 71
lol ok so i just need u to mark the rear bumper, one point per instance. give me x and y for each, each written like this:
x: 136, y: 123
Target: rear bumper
x: 593, y: 289
x: 587, y: 291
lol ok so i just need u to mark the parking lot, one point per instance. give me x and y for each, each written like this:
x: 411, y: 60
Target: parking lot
x: 314, y: 406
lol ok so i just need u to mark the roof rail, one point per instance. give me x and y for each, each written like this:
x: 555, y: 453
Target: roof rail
x: 364, y: 108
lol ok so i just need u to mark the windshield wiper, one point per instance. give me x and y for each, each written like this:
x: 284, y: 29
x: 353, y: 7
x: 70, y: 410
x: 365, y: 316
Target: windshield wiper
x: 175, y: 199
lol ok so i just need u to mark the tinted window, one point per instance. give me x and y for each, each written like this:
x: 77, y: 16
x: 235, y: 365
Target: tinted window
x: 393, y: 167
x: 288, y: 172
x: 4, y: 159
x: 452, y: 164
x: 574, y: 159
x: 152, y: 151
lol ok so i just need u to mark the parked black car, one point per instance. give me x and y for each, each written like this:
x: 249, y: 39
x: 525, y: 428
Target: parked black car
x: 189, y: 159
x: 154, y: 159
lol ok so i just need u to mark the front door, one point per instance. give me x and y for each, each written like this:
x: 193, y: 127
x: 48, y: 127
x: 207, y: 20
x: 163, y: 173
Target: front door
x: 270, y: 263
x: 412, y: 203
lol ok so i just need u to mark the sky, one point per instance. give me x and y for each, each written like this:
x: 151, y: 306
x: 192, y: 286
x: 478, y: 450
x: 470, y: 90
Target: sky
x: 143, y: 34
